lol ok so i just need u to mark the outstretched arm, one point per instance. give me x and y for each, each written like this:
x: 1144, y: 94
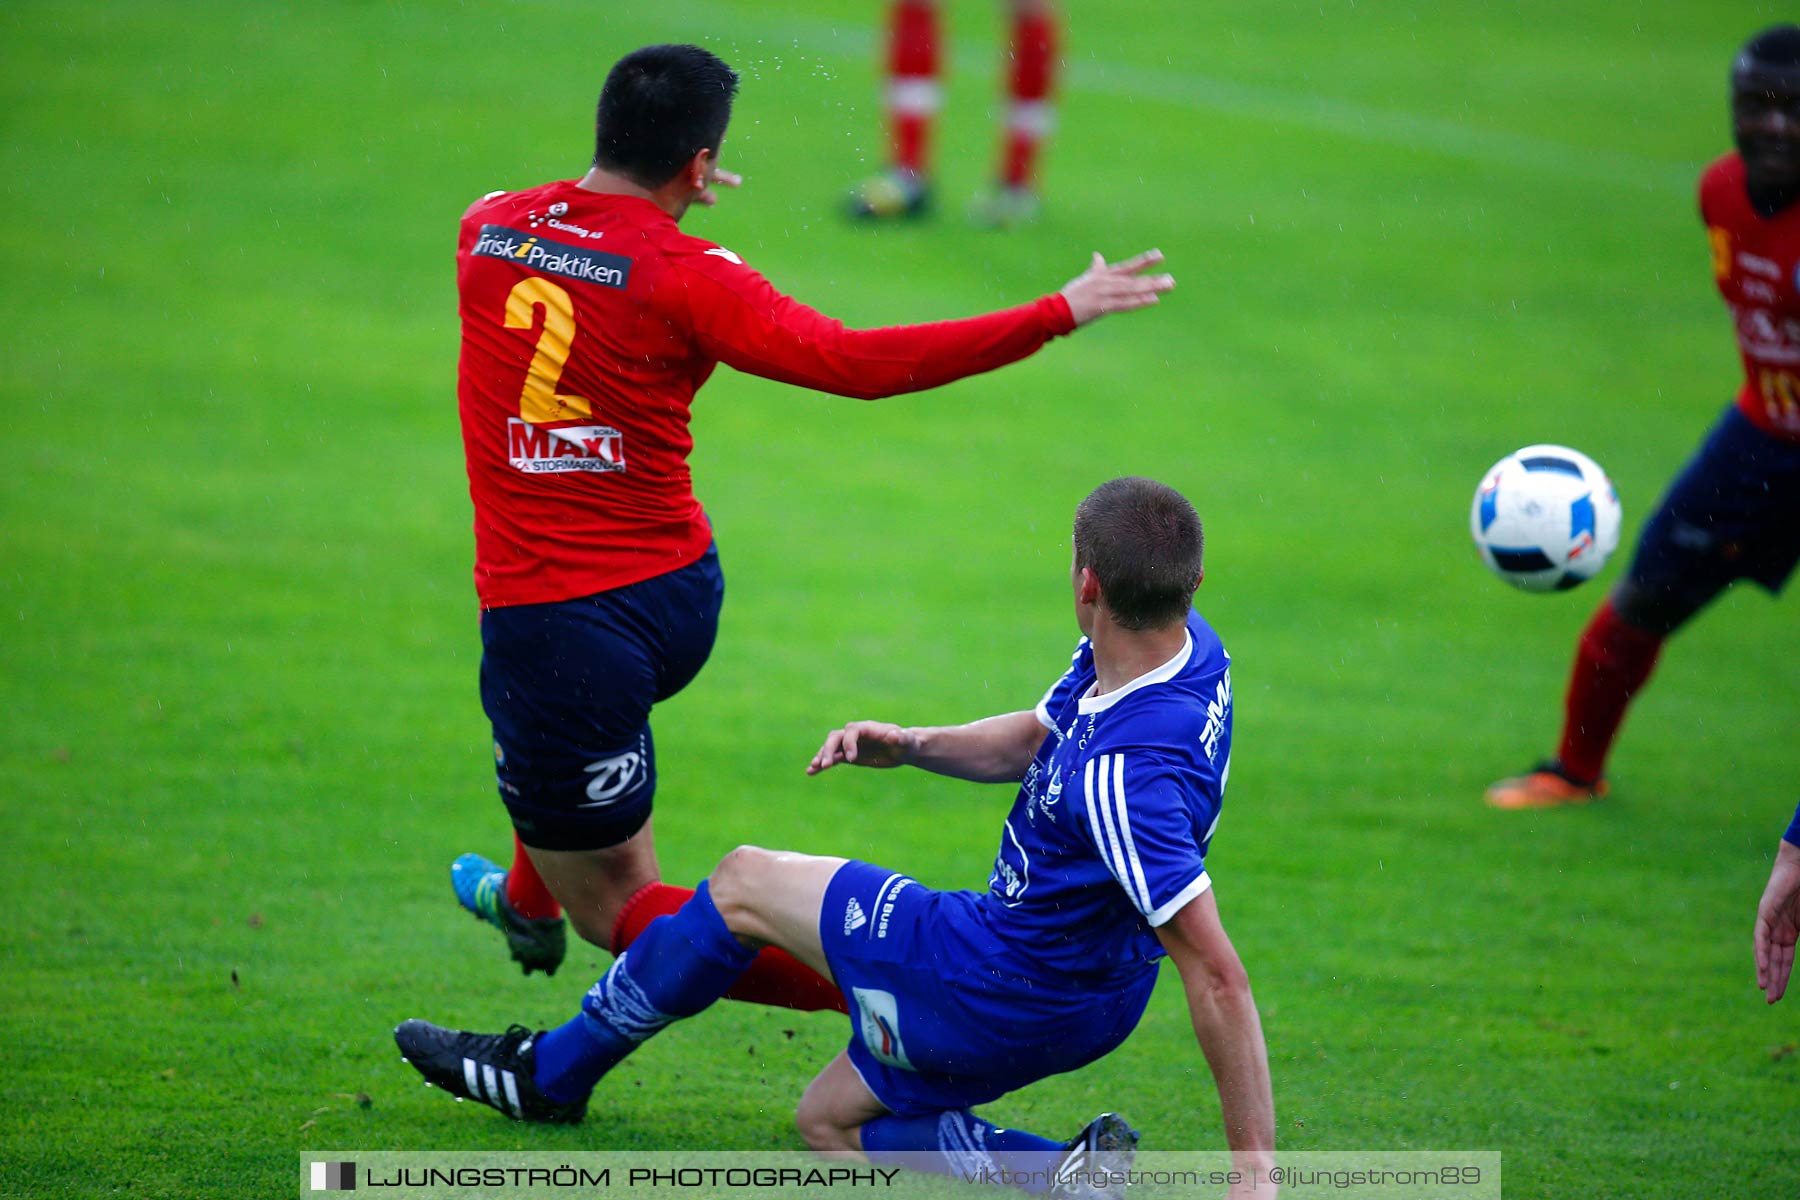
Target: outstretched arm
x: 991, y: 750
x: 739, y: 319
x: 1227, y: 1027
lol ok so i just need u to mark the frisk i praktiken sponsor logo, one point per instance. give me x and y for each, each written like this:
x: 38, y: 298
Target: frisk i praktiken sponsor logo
x: 538, y: 451
x: 553, y: 258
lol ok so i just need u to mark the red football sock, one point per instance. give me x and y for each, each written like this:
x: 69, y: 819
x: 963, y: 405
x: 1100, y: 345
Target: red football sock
x: 1028, y: 114
x: 776, y: 978
x: 525, y: 890
x: 1612, y: 662
x: 913, y: 92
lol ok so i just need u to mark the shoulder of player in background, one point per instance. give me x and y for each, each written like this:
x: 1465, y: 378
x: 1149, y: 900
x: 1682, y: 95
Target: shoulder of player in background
x: 1722, y: 182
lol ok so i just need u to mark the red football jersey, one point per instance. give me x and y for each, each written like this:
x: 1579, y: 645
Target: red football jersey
x: 588, y: 322
x: 1756, y: 262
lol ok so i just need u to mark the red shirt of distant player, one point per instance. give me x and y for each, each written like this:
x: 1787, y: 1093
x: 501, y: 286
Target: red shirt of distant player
x: 1756, y: 261
x: 588, y: 322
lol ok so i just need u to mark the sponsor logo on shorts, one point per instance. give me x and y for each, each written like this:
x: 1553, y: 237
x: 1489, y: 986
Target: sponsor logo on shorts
x: 554, y: 258
x: 538, y: 451
x: 887, y: 907
x: 1007, y: 882
x: 614, y: 778
x: 878, y: 1020
x: 854, y: 917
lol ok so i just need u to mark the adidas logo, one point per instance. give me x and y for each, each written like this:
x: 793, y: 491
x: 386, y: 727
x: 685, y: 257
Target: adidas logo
x: 853, y: 917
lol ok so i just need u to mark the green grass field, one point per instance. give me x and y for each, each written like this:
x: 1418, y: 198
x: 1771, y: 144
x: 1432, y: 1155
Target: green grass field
x: 238, y: 670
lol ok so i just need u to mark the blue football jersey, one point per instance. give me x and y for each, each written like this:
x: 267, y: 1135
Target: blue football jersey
x: 1108, y: 836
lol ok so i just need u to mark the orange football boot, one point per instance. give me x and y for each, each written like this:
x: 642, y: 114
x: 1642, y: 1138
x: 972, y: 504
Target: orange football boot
x: 1545, y: 786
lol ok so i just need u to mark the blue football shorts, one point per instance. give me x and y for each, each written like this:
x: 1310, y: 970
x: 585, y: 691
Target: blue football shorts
x: 568, y: 688
x: 945, y: 1016
x: 1733, y: 513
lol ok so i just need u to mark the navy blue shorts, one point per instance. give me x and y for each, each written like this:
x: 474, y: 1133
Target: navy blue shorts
x: 568, y: 688
x: 1733, y: 513
x: 945, y: 1016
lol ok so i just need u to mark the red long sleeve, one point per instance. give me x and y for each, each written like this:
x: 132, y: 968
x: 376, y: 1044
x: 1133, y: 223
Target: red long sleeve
x: 737, y: 317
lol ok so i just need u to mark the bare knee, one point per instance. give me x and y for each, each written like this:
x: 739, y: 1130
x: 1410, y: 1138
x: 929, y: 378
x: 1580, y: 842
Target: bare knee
x: 822, y: 1132
x: 735, y: 883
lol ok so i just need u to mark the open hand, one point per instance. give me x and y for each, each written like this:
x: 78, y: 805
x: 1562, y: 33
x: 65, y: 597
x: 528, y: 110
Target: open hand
x: 1115, y: 287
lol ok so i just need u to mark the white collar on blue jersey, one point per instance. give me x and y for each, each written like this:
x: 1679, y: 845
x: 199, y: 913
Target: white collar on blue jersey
x: 1091, y: 703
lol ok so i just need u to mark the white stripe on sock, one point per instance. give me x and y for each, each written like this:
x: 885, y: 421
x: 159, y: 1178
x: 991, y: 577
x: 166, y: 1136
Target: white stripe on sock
x: 914, y: 95
x: 1033, y: 118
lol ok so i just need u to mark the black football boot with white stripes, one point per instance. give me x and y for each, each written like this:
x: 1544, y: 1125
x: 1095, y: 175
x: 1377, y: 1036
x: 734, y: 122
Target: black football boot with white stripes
x: 1096, y: 1161
x: 493, y: 1068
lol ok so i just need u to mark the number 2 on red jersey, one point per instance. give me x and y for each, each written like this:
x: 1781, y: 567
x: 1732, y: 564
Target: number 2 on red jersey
x: 540, y: 402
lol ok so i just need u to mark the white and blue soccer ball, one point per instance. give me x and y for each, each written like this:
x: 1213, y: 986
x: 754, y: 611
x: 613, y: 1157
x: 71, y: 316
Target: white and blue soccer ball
x: 1545, y: 518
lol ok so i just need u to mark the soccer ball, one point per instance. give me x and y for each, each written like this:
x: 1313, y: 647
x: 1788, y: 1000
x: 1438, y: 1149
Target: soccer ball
x: 1545, y: 518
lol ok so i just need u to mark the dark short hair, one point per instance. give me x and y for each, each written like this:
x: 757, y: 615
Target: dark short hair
x: 1143, y: 541
x: 660, y: 106
x: 1776, y: 47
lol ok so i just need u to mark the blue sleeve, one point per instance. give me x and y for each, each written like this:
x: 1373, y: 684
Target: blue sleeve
x: 1062, y: 691
x: 1149, y: 821
x: 1792, y: 836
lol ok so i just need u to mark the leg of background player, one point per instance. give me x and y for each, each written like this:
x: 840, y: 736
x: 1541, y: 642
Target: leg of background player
x: 685, y: 961
x: 1613, y: 661
x: 912, y: 100
x: 1030, y: 76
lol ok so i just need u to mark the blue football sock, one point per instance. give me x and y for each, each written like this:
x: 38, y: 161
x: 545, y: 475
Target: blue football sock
x: 679, y: 965
x: 965, y: 1145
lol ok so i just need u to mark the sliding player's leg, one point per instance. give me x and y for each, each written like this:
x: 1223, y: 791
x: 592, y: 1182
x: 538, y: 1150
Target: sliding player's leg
x: 679, y: 965
x: 839, y: 1117
x: 946, y: 1018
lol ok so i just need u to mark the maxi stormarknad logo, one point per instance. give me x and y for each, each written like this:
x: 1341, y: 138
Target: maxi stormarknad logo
x: 553, y: 258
